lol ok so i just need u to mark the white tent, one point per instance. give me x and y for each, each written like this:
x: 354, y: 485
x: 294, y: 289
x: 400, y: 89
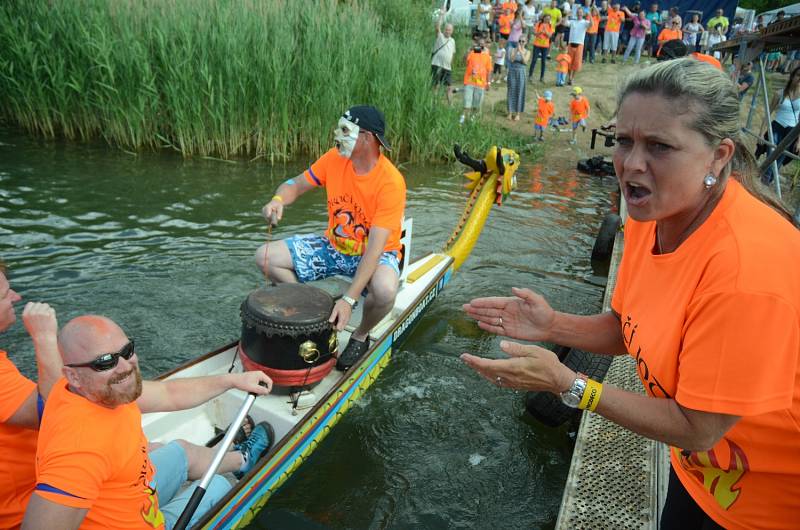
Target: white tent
x: 791, y: 11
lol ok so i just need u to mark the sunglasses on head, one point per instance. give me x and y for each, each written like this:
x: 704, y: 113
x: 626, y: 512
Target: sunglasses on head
x: 107, y: 361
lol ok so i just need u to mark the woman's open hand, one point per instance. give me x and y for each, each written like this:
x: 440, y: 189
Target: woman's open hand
x: 529, y: 368
x: 524, y: 316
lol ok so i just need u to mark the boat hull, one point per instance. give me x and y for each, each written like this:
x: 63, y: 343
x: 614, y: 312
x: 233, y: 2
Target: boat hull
x: 300, y: 436
x: 253, y: 492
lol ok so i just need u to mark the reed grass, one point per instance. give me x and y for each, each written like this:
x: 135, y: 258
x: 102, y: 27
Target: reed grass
x: 256, y: 78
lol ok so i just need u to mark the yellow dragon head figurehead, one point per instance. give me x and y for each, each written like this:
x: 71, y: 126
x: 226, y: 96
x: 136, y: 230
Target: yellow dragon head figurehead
x: 499, y: 162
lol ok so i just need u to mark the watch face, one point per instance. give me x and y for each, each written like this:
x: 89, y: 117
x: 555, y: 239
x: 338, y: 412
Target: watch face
x: 570, y: 399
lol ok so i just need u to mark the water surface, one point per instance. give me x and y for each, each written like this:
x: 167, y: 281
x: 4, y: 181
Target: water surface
x: 164, y: 246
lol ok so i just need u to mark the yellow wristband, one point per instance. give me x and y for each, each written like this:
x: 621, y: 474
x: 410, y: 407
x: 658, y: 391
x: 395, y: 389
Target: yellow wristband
x: 591, y: 396
x: 277, y: 198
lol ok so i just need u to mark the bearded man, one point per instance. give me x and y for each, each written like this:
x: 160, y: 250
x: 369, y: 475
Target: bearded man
x: 94, y: 466
x: 366, y: 197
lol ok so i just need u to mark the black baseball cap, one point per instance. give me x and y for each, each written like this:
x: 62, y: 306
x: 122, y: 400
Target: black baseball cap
x: 370, y: 119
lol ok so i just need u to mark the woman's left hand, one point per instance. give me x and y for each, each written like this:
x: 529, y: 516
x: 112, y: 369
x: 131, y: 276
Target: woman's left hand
x: 529, y: 368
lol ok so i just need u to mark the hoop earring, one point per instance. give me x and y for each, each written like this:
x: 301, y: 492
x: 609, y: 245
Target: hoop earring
x: 709, y: 181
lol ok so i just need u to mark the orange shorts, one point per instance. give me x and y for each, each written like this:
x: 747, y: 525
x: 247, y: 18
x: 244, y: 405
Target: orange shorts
x: 576, y: 52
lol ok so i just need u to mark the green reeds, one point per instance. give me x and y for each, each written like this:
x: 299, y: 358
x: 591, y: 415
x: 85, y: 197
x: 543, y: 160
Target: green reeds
x: 255, y: 78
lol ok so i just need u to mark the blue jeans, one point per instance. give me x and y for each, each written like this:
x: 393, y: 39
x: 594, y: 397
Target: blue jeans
x: 561, y: 78
x: 172, y: 469
x: 624, y: 36
x: 637, y: 43
x: 654, y: 31
x: 538, y: 53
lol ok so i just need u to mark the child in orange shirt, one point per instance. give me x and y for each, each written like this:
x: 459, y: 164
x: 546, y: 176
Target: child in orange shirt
x: 544, y: 112
x: 563, y: 60
x: 579, y: 112
x: 504, y: 24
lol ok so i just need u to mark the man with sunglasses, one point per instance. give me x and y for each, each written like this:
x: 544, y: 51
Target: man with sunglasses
x: 366, y: 197
x: 94, y: 465
x: 21, y: 401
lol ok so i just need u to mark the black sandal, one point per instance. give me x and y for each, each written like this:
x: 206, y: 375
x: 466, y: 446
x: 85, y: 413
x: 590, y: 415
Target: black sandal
x: 242, y: 433
x: 354, y: 350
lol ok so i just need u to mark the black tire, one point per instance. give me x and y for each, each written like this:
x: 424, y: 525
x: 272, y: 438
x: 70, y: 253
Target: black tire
x: 547, y: 408
x: 585, y: 167
x: 604, y: 244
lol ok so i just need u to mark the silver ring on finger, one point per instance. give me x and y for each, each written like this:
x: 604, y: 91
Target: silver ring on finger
x: 501, y: 322
x: 498, y: 381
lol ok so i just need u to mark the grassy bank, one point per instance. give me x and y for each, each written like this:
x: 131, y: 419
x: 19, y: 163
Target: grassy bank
x: 255, y: 78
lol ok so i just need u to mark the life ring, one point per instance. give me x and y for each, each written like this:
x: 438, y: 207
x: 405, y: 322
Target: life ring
x: 547, y: 408
x: 604, y: 244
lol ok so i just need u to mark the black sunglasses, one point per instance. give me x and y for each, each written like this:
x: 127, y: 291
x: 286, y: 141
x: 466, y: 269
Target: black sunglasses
x: 107, y: 361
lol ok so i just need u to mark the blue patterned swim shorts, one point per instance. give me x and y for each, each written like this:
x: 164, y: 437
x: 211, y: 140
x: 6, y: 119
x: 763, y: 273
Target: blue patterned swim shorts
x: 315, y: 258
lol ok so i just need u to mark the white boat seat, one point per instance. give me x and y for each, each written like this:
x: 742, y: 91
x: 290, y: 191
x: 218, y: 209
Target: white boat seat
x: 335, y: 286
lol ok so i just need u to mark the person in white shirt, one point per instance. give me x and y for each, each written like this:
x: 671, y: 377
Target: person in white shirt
x: 529, y: 16
x: 577, y: 34
x: 485, y: 16
x: 444, y: 47
x: 716, y: 36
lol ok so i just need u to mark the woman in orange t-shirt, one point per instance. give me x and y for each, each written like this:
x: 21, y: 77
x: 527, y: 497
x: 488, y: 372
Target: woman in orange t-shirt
x: 668, y: 34
x: 591, y: 35
x: 541, y: 45
x: 707, y: 302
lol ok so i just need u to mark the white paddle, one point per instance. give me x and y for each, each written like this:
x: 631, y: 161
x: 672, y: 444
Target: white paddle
x: 200, y: 491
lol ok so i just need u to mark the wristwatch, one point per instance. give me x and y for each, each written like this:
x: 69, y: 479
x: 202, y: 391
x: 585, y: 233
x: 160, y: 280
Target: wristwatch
x: 572, y: 397
x: 352, y: 301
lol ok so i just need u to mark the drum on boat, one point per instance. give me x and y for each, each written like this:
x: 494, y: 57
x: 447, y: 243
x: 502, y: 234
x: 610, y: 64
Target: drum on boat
x: 286, y: 334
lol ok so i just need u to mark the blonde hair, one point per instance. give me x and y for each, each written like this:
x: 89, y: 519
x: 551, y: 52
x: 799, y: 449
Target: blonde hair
x: 712, y: 101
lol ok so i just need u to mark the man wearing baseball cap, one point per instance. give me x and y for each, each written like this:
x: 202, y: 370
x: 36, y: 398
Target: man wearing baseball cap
x: 366, y: 197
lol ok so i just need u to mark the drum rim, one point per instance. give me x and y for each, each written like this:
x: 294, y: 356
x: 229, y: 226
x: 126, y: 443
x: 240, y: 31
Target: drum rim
x: 271, y: 327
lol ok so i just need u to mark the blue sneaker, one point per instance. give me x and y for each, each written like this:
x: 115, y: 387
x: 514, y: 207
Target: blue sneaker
x: 254, y: 447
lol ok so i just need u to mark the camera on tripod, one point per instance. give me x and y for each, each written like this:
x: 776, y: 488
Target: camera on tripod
x: 607, y: 133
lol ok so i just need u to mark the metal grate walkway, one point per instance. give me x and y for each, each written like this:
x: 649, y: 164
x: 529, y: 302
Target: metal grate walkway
x: 617, y: 479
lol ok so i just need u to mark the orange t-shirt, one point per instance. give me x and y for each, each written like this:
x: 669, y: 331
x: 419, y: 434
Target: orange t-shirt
x: 614, y: 21
x: 595, y: 27
x: 543, y: 33
x: 510, y: 5
x: 504, y: 23
x: 17, y: 468
x: 93, y: 457
x: 669, y: 34
x: 479, y: 67
x: 544, y: 112
x: 356, y: 203
x: 563, y: 60
x: 579, y: 108
x: 715, y: 325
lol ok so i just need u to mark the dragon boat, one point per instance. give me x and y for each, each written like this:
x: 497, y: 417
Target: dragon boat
x: 306, y: 404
